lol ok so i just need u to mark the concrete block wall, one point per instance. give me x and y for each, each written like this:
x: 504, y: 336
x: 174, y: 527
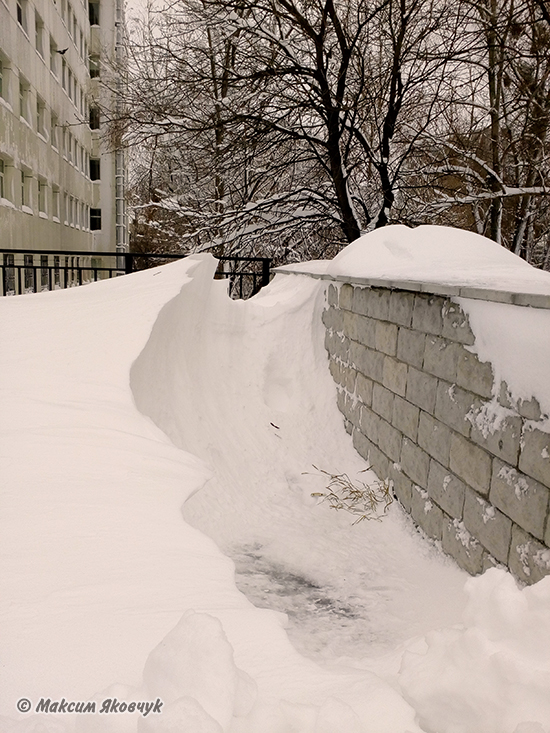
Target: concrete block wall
x: 418, y: 404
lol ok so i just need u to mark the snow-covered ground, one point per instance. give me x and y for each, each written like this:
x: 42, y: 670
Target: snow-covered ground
x: 159, y: 539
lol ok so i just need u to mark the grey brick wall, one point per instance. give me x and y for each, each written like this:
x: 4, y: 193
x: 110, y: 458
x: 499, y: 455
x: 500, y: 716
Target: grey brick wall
x: 413, y: 398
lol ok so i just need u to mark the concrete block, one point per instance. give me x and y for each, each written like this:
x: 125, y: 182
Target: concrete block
x: 346, y: 297
x: 415, y: 463
x: 343, y: 375
x: 337, y: 345
x: 382, y: 401
x: 380, y: 463
x: 426, y: 514
x: 394, y: 376
x: 530, y: 409
x: 441, y: 358
x: 446, y: 490
x: 534, y: 459
x: 389, y: 441
x: 529, y: 559
x: 520, y: 497
x: 402, y: 486
x: 427, y: 314
x: 455, y: 324
x: 459, y: 543
x: 411, y: 346
x: 386, y: 338
x: 349, y: 407
x: 470, y: 463
x: 405, y: 417
x: 453, y: 404
x: 421, y: 390
x: 362, y: 445
x: 361, y: 297
x: 434, y: 437
x: 333, y: 318
x: 491, y: 527
x: 348, y: 427
x: 474, y: 375
x: 367, y: 361
x: 372, y: 302
x: 372, y: 455
x: 401, y: 307
x: 360, y: 328
x: 379, y: 303
x: 499, y: 438
x: 363, y: 389
x: 332, y: 295
x: 368, y: 423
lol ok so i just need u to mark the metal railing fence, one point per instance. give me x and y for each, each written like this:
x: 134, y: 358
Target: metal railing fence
x: 33, y: 271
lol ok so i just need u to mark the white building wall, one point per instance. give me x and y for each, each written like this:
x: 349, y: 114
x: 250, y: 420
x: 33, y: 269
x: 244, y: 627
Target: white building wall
x: 45, y: 137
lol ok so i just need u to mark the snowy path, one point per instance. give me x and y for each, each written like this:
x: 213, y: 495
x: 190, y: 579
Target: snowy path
x: 106, y: 590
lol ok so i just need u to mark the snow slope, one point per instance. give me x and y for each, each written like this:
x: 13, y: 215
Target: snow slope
x: 108, y: 591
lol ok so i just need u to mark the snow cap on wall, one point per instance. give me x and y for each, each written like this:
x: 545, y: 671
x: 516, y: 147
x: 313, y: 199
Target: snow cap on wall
x: 437, y: 254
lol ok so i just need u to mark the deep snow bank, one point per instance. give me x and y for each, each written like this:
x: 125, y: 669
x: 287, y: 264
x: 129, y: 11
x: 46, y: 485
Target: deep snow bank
x: 106, y: 590
x: 438, y: 254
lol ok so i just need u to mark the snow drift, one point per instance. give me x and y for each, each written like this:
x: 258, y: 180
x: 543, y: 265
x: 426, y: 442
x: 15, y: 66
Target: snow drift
x: 109, y: 592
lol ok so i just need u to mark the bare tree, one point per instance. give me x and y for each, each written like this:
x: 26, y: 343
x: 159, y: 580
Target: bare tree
x: 288, y: 119
x: 490, y: 169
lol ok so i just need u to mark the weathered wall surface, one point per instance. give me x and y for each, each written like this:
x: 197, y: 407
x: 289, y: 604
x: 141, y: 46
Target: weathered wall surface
x: 414, y: 399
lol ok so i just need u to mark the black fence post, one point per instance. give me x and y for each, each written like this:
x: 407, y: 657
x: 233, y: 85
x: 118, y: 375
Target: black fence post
x: 128, y: 262
x: 266, y: 268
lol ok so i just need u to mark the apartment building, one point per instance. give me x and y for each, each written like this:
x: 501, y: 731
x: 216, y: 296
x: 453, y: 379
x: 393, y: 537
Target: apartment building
x: 61, y: 180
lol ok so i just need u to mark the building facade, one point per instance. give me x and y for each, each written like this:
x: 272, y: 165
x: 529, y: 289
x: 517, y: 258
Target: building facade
x: 58, y: 171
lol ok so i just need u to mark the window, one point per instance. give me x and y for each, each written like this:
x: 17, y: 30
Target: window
x: 93, y: 12
x: 94, y: 67
x: 9, y: 274
x: 26, y: 180
x: 22, y: 14
x: 70, y: 19
x: 64, y: 73
x: 6, y: 172
x: 75, y: 30
x: 94, y: 118
x: 70, y: 83
x: 5, y: 79
x: 30, y: 272
x: 44, y: 271
x: 53, y: 132
x: 39, y: 34
x: 55, y: 202
x: 53, y: 57
x: 64, y: 10
x: 42, y: 193
x: 95, y: 219
x: 65, y: 208
x: 24, y: 90
x: 40, y: 117
x: 95, y: 169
